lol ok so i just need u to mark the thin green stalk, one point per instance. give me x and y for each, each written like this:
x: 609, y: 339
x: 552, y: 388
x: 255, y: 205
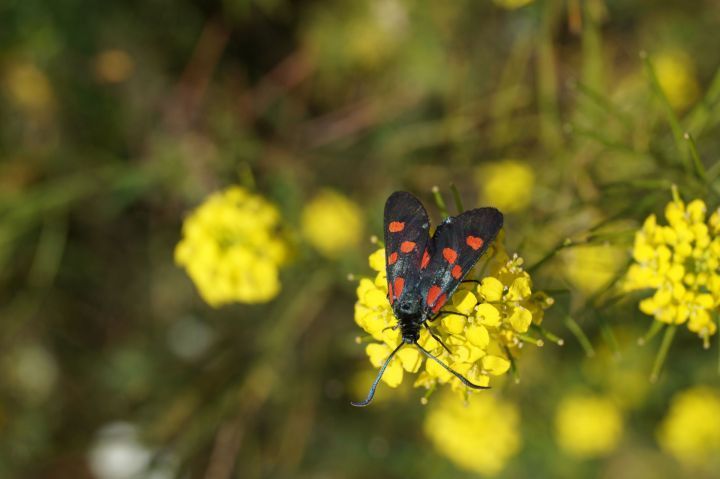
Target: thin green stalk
x: 669, y: 112
x: 607, y: 143
x: 513, y: 365
x: 609, y: 337
x: 440, y: 202
x: 426, y: 397
x: 529, y: 339
x: 663, y: 352
x: 549, y: 255
x: 601, y: 101
x: 456, y: 197
x: 697, y: 163
x: 698, y: 118
x: 550, y: 336
x: 655, y: 327
x: 579, y: 334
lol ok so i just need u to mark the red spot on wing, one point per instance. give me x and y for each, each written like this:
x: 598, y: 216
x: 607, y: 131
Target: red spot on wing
x: 393, y: 257
x: 396, y: 226
x: 433, y: 294
x: 390, y: 292
x: 399, y: 285
x: 474, y: 242
x: 440, y: 302
x: 450, y: 255
x: 456, y: 271
x: 425, y: 259
x: 407, y: 246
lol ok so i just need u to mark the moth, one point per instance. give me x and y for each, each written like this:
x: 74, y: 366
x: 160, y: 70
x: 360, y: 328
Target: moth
x: 423, y: 272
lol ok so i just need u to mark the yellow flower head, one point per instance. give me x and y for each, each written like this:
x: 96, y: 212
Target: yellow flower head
x: 588, y: 426
x: 481, y: 323
x: 28, y: 87
x: 676, y: 74
x: 680, y: 263
x: 114, y: 66
x: 507, y: 185
x: 480, y: 436
x: 691, y: 430
x: 231, y: 248
x: 332, y: 223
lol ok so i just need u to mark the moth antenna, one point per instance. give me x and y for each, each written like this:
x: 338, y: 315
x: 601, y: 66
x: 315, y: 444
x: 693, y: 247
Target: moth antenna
x: 371, y: 393
x: 436, y: 338
x: 462, y: 378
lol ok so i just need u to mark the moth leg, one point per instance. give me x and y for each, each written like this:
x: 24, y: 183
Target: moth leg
x: 450, y: 312
x: 436, y: 338
x: 391, y: 327
x: 476, y: 281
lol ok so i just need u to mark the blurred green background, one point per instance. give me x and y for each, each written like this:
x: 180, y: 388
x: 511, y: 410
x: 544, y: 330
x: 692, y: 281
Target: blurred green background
x: 118, y: 118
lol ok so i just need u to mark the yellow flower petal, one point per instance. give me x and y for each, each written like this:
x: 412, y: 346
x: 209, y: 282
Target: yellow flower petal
x: 495, y: 365
x: 488, y: 315
x: 491, y: 289
x: 520, y: 319
x: 478, y: 336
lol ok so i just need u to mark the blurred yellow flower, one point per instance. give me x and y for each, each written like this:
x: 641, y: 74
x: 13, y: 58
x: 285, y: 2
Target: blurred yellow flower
x: 675, y: 71
x: 691, y: 430
x: 28, y: 87
x: 482, y: 322
x: 588, y: 426
x: 512, y: 4
x: 232, y: 249
x: 359, y: 34
x: 507, y: 185
x: 332, y: 223
x: 114, y: 66
x: 480, y: 436
x: 591, y: 267
x: 680, y: 262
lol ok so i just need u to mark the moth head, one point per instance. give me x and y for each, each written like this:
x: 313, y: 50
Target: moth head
x: 408, y: 309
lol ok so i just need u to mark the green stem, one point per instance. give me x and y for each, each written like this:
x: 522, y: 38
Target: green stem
x: 456, y: 197
x: 610, y: 338
x: 529, y: 339
x: 602, y: 102
x: 549, y: 255
x: 579, y: 334
x: 440, y: 202
x: 663, y: 352
x: 553, y: 338
x: 655, y: 327
x: 697, y: 163
x: 513, y: 365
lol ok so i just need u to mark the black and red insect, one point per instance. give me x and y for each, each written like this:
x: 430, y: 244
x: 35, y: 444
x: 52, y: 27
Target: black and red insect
x: 424, y: 272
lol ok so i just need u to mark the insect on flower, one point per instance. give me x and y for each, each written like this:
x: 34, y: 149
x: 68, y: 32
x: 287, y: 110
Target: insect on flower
x: 424, y: 272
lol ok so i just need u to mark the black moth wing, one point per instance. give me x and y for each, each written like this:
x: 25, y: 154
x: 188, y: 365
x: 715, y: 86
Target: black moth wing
x: 406, y: 227
x: 458, y: 243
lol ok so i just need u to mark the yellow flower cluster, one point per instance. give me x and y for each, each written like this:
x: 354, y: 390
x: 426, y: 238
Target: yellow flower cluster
x: 588, y: 426
x: 680, y: 262
x: 480, y: 436
x: 691, y: 430
x: 481, y: 324
x: 332, y: 223
x: 232, y: 249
